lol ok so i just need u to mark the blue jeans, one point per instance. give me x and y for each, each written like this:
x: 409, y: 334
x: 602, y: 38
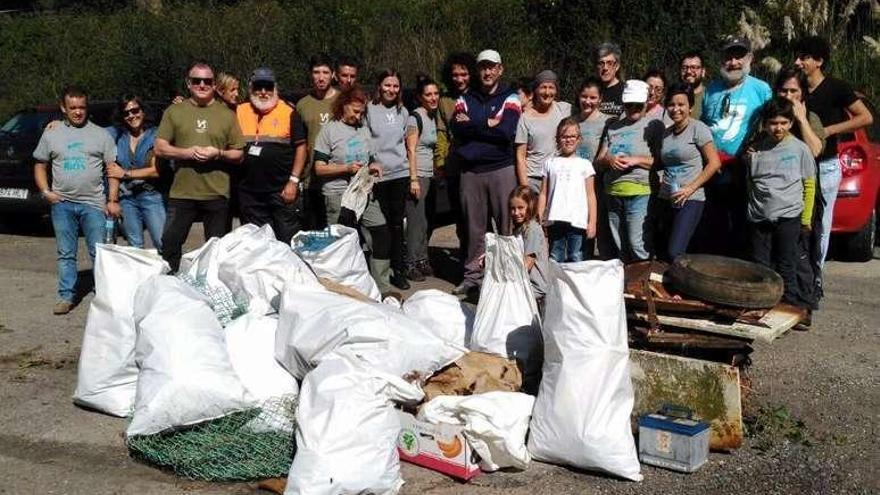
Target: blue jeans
x: 829, y: 181
x: 67, y: 220
x: 566, y: 242
x: 144, y: 209
x: 626, y: 217
x: 681, y: 223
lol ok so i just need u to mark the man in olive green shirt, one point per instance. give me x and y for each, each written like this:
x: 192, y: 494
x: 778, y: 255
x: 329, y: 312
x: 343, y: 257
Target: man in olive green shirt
x: 202, y: 136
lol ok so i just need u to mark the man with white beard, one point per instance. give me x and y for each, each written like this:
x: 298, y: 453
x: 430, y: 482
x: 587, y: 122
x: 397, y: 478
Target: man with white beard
x: 731, y: 109
x: 273, y: 160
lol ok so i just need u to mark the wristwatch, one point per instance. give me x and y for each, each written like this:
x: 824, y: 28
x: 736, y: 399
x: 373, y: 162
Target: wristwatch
x: 126, y: 175
x: 294, y: 179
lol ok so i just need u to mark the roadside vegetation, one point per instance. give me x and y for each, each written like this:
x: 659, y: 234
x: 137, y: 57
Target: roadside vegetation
x: 111, y: 47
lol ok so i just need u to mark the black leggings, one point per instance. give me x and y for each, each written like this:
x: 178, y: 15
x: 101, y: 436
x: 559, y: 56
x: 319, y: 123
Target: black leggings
x: 391, y: 196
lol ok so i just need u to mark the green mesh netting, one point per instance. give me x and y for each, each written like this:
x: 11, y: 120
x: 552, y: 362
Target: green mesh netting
x: 222, y: 301
x: 244, y: 446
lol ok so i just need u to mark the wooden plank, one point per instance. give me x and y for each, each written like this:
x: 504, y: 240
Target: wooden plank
x: 776, y: 322
x: 711, y: 390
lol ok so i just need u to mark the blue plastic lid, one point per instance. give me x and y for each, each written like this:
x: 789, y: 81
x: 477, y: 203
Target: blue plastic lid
x: 682, y: 426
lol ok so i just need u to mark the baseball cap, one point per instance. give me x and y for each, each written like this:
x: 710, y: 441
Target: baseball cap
x: 489, y: 56
x: 635, y: 91
x: 262, y: 74
x: 737, y: 42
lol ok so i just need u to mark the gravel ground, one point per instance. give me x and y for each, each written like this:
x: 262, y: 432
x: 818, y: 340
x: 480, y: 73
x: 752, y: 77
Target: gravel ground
x: 814, y: 405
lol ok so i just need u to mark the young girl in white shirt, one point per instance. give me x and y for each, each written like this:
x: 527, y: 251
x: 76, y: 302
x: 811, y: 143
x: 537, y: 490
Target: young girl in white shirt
x: 567, y: 203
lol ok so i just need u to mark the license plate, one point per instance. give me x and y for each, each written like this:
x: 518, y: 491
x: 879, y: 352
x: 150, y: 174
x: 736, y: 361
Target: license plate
x: 13, y: 193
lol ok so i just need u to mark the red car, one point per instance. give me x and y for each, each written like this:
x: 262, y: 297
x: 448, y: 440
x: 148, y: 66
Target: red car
x: 854, y: 227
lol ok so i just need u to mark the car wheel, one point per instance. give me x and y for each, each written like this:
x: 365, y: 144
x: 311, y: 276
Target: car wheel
x: 727, y: 281
x: 860, y: 245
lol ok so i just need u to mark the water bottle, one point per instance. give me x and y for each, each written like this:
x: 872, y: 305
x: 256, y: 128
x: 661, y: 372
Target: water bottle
x: 109, y: 230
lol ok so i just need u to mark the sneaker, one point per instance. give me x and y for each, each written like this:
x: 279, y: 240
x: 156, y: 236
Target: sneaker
x: 399, y: 280
x: 62, y: 307
x: 424, y: 266
x: 413, y: 273
x: 463, y: 289
x: 806, y: 321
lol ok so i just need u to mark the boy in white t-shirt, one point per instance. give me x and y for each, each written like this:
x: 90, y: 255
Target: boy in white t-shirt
x: 567, y: 203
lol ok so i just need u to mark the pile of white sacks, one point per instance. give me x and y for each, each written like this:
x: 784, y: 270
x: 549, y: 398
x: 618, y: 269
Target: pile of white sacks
x: 154, y: 349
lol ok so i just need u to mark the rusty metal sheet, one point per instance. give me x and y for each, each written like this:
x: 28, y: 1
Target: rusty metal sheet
x: 711, y: 390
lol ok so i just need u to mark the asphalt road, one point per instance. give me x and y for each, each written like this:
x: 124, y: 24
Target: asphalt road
x: 814, y: 396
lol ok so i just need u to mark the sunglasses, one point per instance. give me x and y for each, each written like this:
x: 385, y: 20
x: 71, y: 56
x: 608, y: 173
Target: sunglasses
x: 263, y: 86
x: 131, y: 112
x: 207, y: 81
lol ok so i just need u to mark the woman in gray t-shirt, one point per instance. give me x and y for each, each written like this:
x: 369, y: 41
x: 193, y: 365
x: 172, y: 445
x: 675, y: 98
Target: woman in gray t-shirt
x: 386, y: 120
x: 342, y: 148
x: 421, y: 135
x: 689, y: 159
x: 536, y: 132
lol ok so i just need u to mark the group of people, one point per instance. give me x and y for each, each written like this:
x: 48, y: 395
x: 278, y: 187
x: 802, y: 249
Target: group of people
x: 639, y: 168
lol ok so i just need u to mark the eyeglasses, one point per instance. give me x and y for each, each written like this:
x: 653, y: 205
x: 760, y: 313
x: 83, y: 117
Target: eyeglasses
x: 694, y: 68
x: 207, y: 81
x: 263, y: 86
x: 131, y: 112
x: 656, y: 89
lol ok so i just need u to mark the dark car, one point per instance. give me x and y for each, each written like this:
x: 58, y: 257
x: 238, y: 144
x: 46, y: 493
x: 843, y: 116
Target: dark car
x: 19, y: 137
x: 855, y: 212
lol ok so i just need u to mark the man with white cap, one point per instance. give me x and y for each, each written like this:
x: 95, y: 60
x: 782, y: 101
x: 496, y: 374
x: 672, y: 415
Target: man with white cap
x: 628, y: 152
x: 273, y: 160
x: 484, y: 125
x: 731, y: 108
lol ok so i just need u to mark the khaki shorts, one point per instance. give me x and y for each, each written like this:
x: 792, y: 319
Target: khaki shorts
x: 372, y: 216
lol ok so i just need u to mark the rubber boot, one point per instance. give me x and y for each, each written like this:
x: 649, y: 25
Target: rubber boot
x: 381, y: 272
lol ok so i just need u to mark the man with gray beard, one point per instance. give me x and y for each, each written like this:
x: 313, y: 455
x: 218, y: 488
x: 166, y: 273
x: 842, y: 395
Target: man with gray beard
x: 731, y: 108
x: 273, y: 160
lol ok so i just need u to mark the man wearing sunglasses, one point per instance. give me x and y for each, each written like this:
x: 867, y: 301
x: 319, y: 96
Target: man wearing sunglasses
x: 731, y: 108
x: 273, y: 160
x: 202, y: 136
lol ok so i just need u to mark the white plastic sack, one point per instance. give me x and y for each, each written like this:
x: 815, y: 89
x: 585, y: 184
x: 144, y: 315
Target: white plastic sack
x: 507, y: 321
x: 203, y: 264
x: 443, y: 313
x: 357, y: 194
x: 256, y: 267
x: 315, y: 323
x: 107, y: 373
x: 347, y: 428
x: 250, y: 342
x: 342, y: 261
x: 186, y: 376
x: 495, y: 424
x: 582, y: 413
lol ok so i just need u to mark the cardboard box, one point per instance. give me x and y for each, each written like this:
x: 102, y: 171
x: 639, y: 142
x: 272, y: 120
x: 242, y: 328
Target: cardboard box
x: 440, y: 447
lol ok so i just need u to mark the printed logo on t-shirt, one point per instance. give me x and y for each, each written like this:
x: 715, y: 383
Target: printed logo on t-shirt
x: 390, y: 118
x: 354, y: 151
x: 201, y: 126
x: 325, y: 117
x: 787, y: 160
x: 75, y: 158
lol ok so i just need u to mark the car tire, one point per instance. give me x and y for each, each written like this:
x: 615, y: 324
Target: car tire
x: 727, y: 281
x: 859, y: 246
